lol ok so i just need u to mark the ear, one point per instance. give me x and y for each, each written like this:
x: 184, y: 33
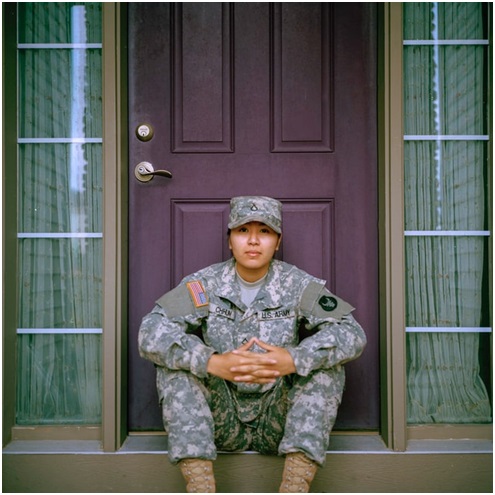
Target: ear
x: 279, y: 242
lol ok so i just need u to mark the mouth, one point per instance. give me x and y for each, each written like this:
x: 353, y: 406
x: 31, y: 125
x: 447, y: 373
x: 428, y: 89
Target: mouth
x: 253, y: 253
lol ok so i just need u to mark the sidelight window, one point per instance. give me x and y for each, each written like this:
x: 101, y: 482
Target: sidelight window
x: 60, y: 213
x: 446, y: 212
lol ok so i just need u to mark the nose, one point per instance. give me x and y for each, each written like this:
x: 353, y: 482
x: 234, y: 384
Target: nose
x: 253, y: 238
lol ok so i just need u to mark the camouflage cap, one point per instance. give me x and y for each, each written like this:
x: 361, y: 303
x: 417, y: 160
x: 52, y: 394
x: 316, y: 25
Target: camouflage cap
x: 244, y: 209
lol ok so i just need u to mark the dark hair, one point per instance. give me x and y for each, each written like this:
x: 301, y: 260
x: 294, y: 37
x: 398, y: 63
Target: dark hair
x: 229, y: 231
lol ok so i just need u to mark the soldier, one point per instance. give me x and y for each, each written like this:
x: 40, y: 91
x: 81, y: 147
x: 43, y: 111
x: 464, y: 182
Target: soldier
x: 232, y: 373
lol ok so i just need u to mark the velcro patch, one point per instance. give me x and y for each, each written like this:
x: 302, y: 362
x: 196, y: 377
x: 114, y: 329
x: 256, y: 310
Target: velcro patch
x: 198, y: 293
x: 320, y: 302
x: 225, y: 312
x: 276, y: 314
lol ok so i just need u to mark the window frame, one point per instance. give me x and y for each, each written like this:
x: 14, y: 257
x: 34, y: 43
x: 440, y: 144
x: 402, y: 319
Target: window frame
x: 446, y: 430
x: 9, y: 213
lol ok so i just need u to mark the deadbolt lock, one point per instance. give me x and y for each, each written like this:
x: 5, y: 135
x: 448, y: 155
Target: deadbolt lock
x: 144, y: 132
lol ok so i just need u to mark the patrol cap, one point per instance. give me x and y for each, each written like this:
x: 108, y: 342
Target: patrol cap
x: 245, y: 209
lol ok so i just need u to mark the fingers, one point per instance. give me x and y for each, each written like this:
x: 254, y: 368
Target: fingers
x: 260, y: 343
x: 248, y: 357
x: 242, y: 365
x: 245, y: 347
x: 259, y: 370
x: 264, y: 345
x: 255, y: 369
x: 257, y: 376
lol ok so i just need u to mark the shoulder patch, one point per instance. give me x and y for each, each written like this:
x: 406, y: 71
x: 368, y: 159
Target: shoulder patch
x: 318, y: 301
x: 198, y: 293
x: 179, y: 302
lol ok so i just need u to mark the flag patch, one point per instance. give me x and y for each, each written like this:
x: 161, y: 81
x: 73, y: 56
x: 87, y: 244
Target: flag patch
x: 198, y: 293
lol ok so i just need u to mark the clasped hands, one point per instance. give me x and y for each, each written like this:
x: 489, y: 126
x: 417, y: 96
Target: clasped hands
x: 243, y: 365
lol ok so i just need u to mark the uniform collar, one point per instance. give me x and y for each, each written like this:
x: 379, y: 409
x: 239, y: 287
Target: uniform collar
x: 269, y: 295
x: 227, y: 286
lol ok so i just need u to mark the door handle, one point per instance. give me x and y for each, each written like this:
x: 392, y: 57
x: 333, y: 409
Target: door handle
x: 144, y: 172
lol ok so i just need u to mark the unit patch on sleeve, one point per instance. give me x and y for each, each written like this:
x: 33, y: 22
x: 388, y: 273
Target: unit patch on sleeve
x: 318, y: 301
x: 328, y: 303
x: 198, y: 293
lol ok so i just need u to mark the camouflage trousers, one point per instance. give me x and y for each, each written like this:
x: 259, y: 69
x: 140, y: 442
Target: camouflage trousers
x: 202, y: 415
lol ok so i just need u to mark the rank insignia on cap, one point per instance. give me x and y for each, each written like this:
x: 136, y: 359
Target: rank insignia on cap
x: 328, y: 303
x: 198, y: 293
x: 254, y: 207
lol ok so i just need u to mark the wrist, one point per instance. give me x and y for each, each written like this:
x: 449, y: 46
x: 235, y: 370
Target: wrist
x: 211, y: 366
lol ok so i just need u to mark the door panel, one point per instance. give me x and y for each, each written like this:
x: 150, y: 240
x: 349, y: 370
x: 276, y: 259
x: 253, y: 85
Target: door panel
x: 203, y: 76
x: 275, y: 100
x: 302, y: 89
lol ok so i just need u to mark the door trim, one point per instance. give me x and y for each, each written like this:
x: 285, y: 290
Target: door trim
x: 115, y: 238
x: 391, y: 228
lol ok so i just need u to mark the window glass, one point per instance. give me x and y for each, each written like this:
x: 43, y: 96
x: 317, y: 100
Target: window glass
x: 445, y: 185
x: 60, y: 93
x: 448, y: 81
x: 60, y: 245
x: 60, y: 187
x: 60, y: 283
x: 444, y: 21
x: 60, y: 383
x: 57, y: 22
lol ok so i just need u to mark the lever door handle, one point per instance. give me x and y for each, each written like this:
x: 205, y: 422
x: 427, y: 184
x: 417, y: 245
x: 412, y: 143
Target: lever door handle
x: 144, y: 172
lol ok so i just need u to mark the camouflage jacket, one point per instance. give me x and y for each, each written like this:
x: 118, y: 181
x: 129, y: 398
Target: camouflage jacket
x: 210, y: 300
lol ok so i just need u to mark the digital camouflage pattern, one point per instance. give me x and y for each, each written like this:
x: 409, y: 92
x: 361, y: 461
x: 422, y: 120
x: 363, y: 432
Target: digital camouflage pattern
x: 244, y: 209
x: 203, y: 413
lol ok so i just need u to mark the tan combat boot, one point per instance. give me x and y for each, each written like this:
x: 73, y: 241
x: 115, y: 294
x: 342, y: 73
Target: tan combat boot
x: 198, y: 474
x: 299, y: 472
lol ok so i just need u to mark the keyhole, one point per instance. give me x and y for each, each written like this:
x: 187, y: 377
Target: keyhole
x: 144, y: 132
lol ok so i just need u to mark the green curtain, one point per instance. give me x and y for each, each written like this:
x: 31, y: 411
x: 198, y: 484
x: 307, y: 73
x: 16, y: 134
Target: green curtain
x: 445, y: 188
x: 59, y: 379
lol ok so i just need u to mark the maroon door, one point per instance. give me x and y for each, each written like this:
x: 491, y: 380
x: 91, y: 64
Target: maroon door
x: 258, y: 99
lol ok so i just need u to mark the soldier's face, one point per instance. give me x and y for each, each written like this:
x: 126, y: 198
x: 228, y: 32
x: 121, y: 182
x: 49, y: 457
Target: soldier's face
x: 253, y: 246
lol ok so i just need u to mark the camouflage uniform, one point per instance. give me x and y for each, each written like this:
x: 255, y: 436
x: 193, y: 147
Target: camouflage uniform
x: 205, y: 315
